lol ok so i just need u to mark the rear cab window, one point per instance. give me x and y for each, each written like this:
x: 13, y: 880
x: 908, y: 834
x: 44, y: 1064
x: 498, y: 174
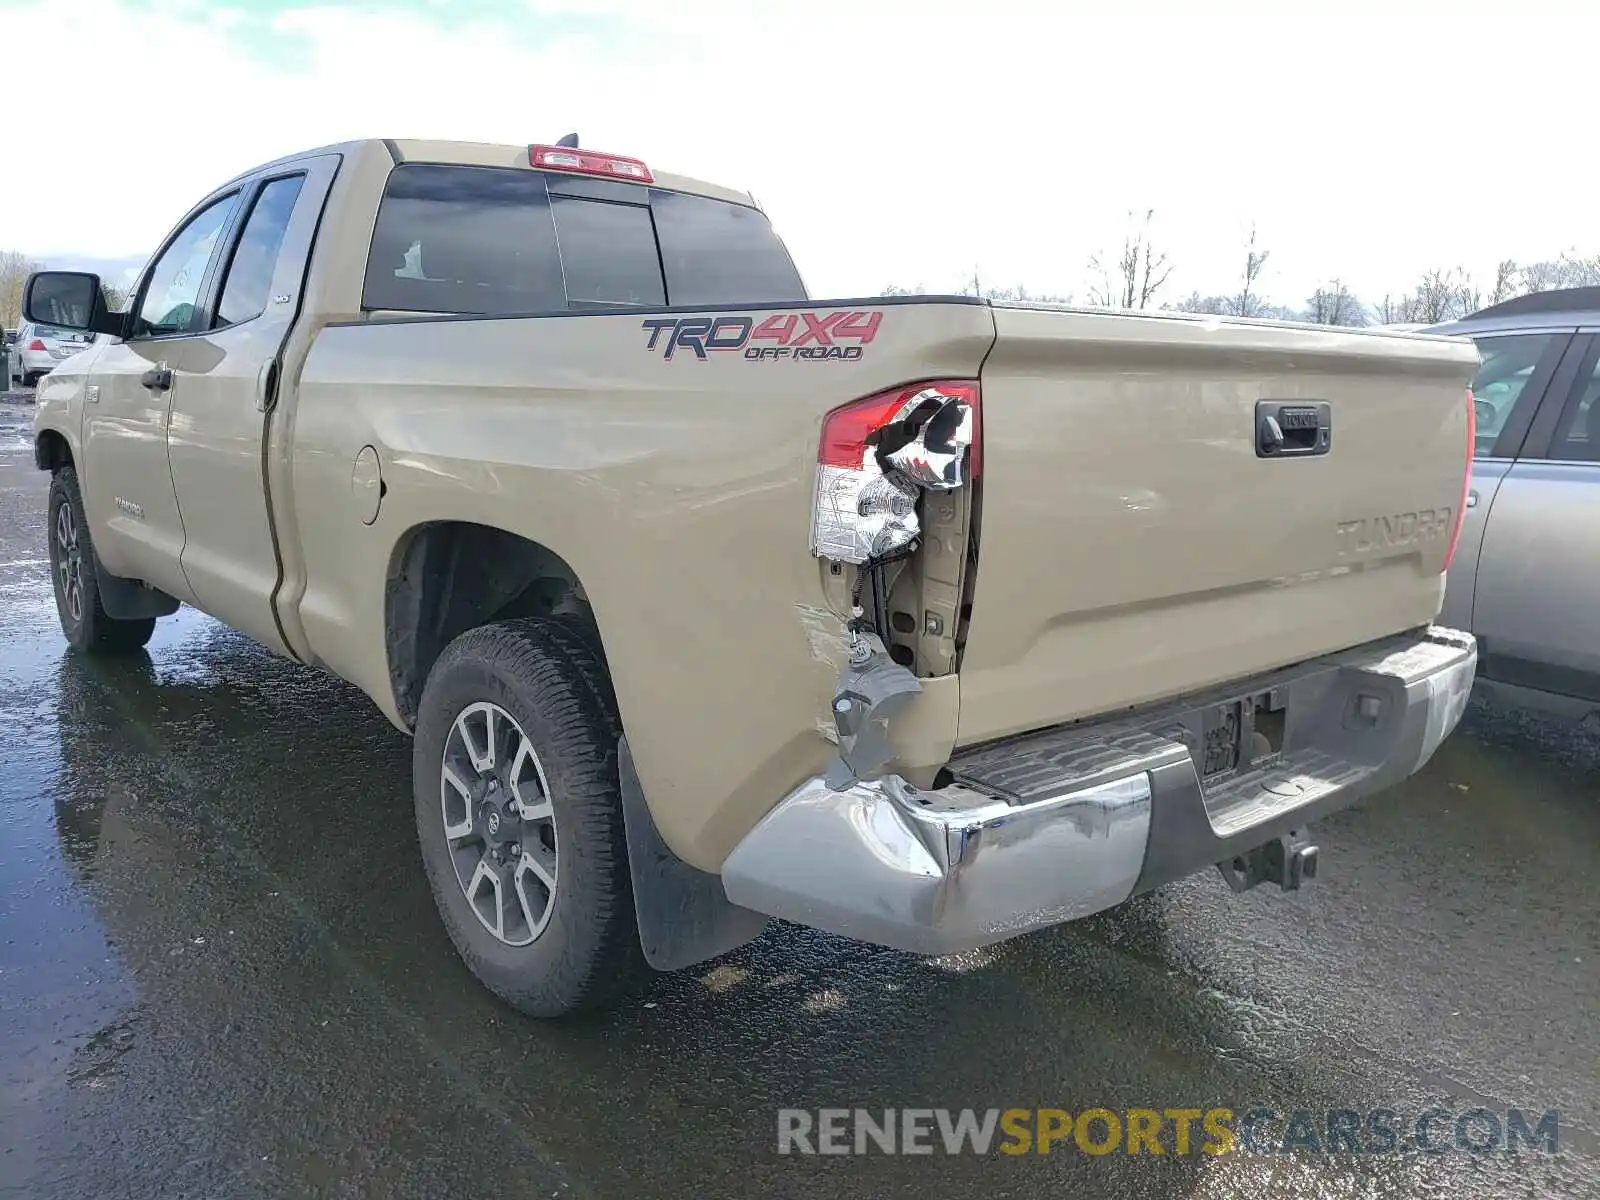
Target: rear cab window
x: 715, y: 253
x: 608, y: 253
x: 503, y: 241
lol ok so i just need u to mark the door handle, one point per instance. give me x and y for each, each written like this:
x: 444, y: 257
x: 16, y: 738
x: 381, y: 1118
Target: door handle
x: 1472, y: 498
x: 157, y: 378
x: 1287, y: 429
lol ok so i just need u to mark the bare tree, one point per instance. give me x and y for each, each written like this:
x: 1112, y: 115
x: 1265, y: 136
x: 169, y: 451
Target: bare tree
x: 1335, y: 305
x: 975, y: 287
x: 14, y: 271
x: 1397, y: 310
x: 1138, y: 272
x: 1249, y: 302
x: 1438, y: 297
x: 1194, y: 302
x: 1568, y: 270
x: 1507, y: 281
x: 1541, y: 276
x: 1022, y: 295
x: 115, y: 297
x: 1018, y: 293
x: 1581, y: 272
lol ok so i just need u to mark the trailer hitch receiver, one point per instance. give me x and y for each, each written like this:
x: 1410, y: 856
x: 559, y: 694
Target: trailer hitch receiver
x: 1288, y: 861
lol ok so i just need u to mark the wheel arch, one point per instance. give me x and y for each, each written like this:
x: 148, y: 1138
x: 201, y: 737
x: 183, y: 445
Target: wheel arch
x: 52, y: 450
x: 446, y: 577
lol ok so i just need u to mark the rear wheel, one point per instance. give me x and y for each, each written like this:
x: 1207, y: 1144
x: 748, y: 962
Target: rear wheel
x: 519, y: 817
x: 87, y: 625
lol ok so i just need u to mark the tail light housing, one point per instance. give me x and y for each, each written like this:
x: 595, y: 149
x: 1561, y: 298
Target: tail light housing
x: 36, y: 344
x: 1466, y: 479
x: 589, y: 162
x: 877, y: 455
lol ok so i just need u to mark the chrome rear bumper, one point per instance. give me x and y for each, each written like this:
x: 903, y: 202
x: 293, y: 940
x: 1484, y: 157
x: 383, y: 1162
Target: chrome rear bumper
x: 1062, y: 823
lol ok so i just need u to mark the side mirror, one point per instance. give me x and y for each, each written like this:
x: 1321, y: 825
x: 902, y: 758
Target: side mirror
x: 69, y: 300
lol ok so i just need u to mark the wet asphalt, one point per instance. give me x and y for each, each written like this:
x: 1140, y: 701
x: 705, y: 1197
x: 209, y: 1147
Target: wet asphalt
x: 221, y: 974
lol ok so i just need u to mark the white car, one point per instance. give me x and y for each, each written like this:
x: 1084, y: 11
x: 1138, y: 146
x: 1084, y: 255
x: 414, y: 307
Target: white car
x: 39, y: 349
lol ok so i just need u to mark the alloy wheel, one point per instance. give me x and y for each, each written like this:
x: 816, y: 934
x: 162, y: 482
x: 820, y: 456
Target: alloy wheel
x: 499, y: 823
x: 69, y: 561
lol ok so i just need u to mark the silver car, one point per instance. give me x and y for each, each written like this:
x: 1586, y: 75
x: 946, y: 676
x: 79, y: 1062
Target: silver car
x: 39, y: 349
x: 1527, y: 569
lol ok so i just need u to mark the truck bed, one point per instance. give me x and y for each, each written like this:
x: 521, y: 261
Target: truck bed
x: 1133, y: 543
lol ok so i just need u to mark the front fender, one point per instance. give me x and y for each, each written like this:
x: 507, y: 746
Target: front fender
x: 58, y: 413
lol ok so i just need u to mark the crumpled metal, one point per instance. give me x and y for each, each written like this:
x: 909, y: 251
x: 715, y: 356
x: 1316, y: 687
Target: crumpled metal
x: 935, y: 456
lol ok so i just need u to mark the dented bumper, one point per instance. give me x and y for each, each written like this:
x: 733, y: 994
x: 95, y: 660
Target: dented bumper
x: 1062, y: 823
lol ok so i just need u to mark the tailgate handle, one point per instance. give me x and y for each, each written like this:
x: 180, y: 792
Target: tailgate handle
x: 1293, y: 428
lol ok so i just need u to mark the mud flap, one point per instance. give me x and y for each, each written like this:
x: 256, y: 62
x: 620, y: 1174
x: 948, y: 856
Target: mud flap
x: 128, y: 599
x: 684, y: 915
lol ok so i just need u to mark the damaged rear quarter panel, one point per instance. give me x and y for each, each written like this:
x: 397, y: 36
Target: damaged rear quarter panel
x: 679, y: 490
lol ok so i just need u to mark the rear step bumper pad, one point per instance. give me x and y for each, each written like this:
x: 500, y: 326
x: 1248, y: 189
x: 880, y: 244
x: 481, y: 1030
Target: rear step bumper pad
x: 1061, y: 823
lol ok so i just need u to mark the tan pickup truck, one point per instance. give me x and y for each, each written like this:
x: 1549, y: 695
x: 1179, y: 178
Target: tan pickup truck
x: 927, y: 621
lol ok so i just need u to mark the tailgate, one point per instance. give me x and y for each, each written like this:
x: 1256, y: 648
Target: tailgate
x: 1134, y: 545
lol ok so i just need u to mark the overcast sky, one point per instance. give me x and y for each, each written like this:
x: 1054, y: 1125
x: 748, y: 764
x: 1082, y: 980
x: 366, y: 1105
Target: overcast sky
x: 891, y: 141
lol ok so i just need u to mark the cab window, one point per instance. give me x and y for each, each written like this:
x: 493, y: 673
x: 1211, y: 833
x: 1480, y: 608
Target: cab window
x: 718, y: 253
x: 608, y: 253
x: 172, y: 295
x: 454, y: 239
x: 249, y: 278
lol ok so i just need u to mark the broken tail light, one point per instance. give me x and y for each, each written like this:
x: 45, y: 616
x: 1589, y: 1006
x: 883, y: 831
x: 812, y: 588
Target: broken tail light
x: 1466, y: 479
x: 877, y: 454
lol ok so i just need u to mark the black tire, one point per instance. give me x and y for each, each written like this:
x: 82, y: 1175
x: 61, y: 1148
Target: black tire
x: 31, y: 378
x: 89, y: 630
x: 552, y: 683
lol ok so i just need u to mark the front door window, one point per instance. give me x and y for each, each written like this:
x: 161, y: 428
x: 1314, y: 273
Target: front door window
x: 173, y: 292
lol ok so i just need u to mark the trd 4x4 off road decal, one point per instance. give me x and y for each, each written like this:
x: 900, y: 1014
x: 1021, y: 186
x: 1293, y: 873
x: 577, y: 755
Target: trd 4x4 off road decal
x: 802, y: 336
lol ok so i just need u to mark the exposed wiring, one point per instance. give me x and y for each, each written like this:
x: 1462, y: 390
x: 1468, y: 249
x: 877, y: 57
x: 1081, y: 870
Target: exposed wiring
x: 875, y: 571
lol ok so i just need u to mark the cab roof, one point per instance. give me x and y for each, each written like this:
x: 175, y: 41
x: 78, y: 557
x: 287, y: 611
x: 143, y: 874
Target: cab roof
x: 494, y: 154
